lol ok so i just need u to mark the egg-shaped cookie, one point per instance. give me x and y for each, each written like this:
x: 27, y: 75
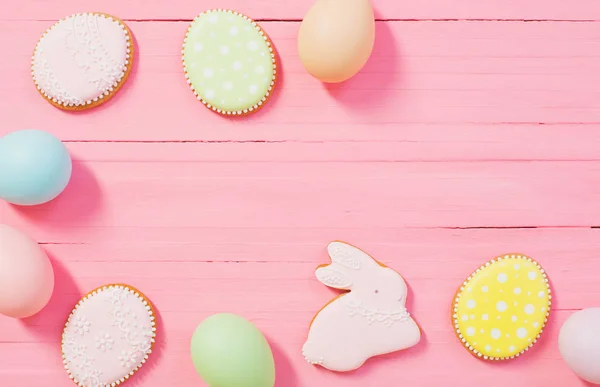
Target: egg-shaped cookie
x: 108, y: 336
x: 501, y: 309
x: 229, y: 62
x: 83, y: 60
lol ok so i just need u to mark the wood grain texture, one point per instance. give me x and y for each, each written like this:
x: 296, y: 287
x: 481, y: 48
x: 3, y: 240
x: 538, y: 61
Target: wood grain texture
x: 295, y: 9
x: 432, y: 81
x: 460, y: 140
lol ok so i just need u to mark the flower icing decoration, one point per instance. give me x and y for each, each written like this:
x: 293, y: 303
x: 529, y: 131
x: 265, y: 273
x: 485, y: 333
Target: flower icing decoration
x: 108, y: 336
x: 82, y: 325
x: 370, y: 319
x: 104, y: 342
x: 501, y: 309
x: 82, y: 60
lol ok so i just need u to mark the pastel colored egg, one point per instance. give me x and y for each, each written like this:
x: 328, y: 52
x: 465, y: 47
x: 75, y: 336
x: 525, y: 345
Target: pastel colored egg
x: 229, y: 351
x: 229, y: 62
x: 35, y: 167
x: 579, y: 344
x: 336, y: 38
x: 26, y: 274
x: 501, y: 309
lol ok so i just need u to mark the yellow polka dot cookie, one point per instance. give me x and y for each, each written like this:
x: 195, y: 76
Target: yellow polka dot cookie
x: 501, y: 309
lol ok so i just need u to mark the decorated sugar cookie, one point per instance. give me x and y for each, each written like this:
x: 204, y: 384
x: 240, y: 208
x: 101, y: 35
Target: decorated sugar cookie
x: 108, y: 336
x: 229, y: 62
x: 501, y: 309
x: 83, y: 60
x: 369, y: 320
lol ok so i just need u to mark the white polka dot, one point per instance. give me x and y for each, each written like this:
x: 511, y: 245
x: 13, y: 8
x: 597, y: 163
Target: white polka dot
x: 484, y: 317
x: 517, y: 290
x: 496, y: 333
x: 514, y: 318
x: 511, y: 348
x: 209, y: 94
x: 501, y: 306
x: 253, y: 89
x: 484, y: 289
x: 233, y: 31
x: 532, y: 275
x: 471, y: 304
x: 260, y: 70
x: 465, y: 317
x: 529, y: 309
x: 213, y: 18
x: 541, y: 294
x: 521, y: 333
x: 245, y: 76
x: 198, y: 47
x: 502, y: 278
x: 252, y: 46
x: 517, y: 266
x: 543, y: 309
x: 208, y: 72
x: 498, y: 350
x: 237, y: 65
x: 482, y: 331
x: 488, y: 348
x: 536, y: 324
x: 470, y: 331
x: 227, y: 85
x: 224, y: 50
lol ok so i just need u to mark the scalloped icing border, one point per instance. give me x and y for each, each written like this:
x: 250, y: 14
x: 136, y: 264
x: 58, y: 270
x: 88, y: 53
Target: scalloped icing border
x: 261, y: 103
x: 107, y: 95
x: 151, y: 312
x: 456, y: 298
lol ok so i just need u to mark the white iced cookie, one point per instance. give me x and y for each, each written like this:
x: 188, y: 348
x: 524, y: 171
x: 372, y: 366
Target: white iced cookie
x: 108, y: 336
x: 82, y: 61
x: 369, y: 320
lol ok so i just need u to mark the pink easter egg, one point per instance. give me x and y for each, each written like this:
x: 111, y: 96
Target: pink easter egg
x: 26, y: 274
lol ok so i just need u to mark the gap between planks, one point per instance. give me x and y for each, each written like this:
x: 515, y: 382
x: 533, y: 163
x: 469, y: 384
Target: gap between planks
x: 275, y: 20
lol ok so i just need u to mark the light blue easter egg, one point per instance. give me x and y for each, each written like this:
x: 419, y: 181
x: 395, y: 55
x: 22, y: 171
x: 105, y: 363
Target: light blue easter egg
x: 35, y: 167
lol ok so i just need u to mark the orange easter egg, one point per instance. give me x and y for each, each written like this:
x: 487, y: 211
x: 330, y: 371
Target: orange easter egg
x: 336, y: 38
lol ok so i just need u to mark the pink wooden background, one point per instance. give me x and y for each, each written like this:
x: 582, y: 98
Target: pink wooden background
x: 473, y: 131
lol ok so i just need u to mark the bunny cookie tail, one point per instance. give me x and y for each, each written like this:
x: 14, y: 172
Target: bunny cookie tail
x: 311, y: 354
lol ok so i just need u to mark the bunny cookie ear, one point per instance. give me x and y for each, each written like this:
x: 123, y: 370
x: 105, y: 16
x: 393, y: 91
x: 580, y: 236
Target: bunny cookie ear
x: 334, y: 277
x: 349, y: 256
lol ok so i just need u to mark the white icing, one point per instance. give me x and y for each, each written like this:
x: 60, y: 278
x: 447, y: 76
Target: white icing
x: 368, y: 321
x: 81, y: 59
x: 108, y: 336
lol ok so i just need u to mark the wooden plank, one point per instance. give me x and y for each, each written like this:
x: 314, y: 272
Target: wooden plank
x: 295, y: 10
x: 253, y: 187
x: 471, y: 83
x: 269, y: 278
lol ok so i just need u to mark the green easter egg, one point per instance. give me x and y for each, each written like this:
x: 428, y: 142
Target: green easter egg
x: 229, y: 351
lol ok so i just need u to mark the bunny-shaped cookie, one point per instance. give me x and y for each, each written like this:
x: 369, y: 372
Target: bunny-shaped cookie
x: 369, y: 320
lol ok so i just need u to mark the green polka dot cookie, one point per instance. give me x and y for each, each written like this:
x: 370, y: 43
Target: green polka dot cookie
x: 229, y: 62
